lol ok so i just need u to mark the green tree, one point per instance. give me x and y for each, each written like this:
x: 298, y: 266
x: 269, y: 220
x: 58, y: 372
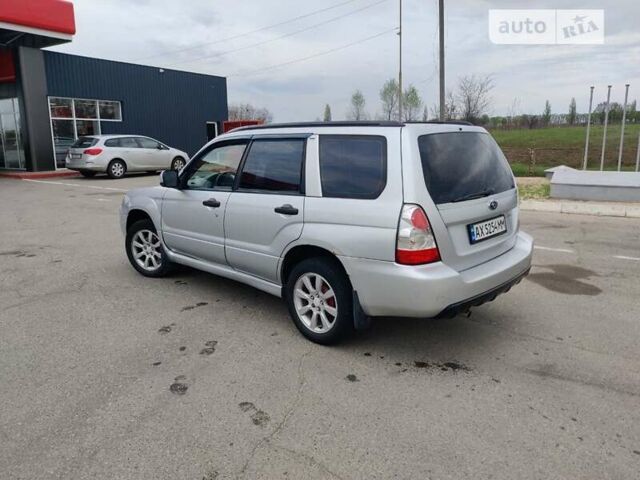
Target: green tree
x: 573, y: 113
x: 389, y: 99
x: 411, y: 104
x: 358, y: 102
x: 327, y: 113
x: 546, y: 114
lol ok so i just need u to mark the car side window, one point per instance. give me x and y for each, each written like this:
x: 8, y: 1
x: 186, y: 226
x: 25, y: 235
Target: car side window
x: 216, y: 168
x: 147, y: 143
x: 128, y: 142
x: 112, y: 142
x: 353, y: 166
x: 274, y: 165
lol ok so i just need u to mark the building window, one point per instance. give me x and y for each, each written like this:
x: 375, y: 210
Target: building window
x: 75, y: 117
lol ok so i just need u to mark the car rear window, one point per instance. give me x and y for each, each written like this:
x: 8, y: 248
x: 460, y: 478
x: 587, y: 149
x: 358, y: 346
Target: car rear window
x: 84, y: 142
x: 459, y: 166
x: 353, y: 166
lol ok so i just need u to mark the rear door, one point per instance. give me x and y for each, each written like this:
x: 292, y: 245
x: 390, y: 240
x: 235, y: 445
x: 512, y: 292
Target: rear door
x: 265, y: 212
x: 470, y: 184
x: 129, y: 151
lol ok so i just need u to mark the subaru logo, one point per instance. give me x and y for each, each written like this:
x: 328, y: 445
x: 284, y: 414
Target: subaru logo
x: 493, y: 205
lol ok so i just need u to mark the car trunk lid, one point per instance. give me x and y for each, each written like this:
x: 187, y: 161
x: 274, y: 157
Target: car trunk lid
x: 470, y: 182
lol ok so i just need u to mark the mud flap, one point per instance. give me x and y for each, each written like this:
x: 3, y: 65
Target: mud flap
x: 361, y: 321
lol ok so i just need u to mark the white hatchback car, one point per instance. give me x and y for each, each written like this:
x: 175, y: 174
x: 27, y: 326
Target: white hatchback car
x: 117, y: 154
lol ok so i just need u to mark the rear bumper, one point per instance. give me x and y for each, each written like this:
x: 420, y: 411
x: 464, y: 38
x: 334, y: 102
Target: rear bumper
x: 94, y: 164
x: 390, y: 289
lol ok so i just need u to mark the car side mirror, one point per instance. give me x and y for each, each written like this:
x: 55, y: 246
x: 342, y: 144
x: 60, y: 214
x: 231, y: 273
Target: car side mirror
x: 169, y: 179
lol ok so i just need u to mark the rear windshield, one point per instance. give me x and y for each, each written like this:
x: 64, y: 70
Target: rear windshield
x: 85, y: 142
x: 460, y: 166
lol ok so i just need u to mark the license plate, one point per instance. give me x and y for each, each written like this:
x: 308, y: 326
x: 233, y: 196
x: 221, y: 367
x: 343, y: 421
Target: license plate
x: 488, y: 229
x: 76, y: 156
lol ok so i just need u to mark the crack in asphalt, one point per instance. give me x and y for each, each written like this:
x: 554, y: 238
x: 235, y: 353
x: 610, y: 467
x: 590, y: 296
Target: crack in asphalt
x: 280, y: 426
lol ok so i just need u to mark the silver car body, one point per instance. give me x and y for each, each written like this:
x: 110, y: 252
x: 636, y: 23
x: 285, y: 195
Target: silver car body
x: 139, y: 154
x: 245, y: 240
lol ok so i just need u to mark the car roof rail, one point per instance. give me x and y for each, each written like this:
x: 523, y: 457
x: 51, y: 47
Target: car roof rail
x: 365, y: 123
x: 441, y: 122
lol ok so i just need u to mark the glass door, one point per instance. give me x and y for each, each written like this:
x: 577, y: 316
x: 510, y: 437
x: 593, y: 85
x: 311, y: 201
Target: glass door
x: 12, y: 155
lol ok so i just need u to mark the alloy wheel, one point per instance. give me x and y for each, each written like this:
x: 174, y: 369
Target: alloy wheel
x: 315, y: 302
x: 147, y: 250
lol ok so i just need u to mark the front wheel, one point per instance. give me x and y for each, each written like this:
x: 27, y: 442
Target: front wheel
x: 319, y: 297
x: 177, y: 164
x: 145, y: 250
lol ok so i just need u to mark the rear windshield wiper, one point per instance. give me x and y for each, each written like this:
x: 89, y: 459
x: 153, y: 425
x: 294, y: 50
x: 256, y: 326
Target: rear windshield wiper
x: 471, y: 196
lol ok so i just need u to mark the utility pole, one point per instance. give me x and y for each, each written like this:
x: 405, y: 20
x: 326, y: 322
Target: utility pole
x: 441, y: 29
x: 400, y: 70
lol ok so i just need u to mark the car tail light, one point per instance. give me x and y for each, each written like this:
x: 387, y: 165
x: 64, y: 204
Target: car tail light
x: 93, y: 151
x: 416, y: 244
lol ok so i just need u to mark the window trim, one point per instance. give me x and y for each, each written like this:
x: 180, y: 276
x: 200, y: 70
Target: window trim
x: 385, y: 167
x: 188, y: 170
x: 274, y: 138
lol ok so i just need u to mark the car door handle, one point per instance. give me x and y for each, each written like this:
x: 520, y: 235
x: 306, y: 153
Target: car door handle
x: 212, y: 202
x: 286, y: 210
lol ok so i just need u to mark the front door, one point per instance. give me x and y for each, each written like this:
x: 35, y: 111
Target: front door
x: 153, y: 154
x: 265, y: 213
x: 193, y: 216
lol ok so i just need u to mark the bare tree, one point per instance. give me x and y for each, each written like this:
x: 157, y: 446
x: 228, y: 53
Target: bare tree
x: 389, y: 99
x: 411, y: 104
x: 327, y: 113
x: 358, y: 102
x: 474, y: 96
x: 246, y: 111
x: 451, y: 110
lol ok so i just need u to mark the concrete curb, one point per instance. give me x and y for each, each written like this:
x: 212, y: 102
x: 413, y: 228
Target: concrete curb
x: 38, y: 175
x: 582, y: 208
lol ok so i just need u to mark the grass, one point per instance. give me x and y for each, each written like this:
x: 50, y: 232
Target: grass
x: 539, y: 191
x: 565, y: 146
x: 522, y: 170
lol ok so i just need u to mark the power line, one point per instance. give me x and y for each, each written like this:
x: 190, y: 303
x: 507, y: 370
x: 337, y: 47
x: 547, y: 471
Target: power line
x: 326, y: 52
x: 295, y: 32
x: 267, y: 27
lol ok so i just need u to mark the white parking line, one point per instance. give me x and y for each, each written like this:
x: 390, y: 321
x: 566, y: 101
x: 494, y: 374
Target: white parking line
x: 74, y: 185
x: 562, y: 250
x: 624, y: 257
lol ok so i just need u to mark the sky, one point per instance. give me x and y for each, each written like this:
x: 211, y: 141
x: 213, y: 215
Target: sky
x: 281, y: 55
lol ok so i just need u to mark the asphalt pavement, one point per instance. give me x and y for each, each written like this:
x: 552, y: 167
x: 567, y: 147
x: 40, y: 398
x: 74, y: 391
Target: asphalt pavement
x: 106, y: 374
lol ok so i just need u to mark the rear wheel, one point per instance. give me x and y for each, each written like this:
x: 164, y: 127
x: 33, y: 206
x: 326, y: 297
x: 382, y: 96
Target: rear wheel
x: 116, y: 169
x: 88, y: 173
x: 319, y: 298
x: 145, y: 250
x: 178, y: 163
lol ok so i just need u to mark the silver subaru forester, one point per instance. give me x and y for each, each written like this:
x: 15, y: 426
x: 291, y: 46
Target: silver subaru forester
x: 345, y: 221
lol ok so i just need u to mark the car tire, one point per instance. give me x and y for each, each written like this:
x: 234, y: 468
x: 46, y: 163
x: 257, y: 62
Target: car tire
x: 145, y: 250
x: 116, y: 169
x: 88, y: 173
x: 319, y: 297
x: 178, y: 163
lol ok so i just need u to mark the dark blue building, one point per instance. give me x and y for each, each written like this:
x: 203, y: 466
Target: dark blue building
x: 53, y: 98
